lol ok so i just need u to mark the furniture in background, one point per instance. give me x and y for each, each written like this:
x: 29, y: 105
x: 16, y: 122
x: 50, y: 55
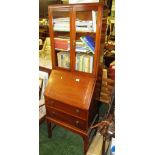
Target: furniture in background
x: 43, y: 7
x: 45, y: 60
x: 70, y: 95
x: 43, y: 78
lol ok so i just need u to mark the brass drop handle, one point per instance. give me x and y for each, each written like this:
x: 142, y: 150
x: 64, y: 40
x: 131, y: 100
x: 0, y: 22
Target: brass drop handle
x: 77, y: 110
x: 77, y: 123
x: 52, y: 101
x: 53, y: 112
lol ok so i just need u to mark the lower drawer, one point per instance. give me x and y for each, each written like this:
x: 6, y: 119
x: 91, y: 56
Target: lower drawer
x: 66, y: 108
x: 65, y: 118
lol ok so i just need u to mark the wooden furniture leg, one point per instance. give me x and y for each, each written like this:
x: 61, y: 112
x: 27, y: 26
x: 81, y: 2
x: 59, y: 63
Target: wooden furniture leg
x: 49, y: 129
x: 86, y: 143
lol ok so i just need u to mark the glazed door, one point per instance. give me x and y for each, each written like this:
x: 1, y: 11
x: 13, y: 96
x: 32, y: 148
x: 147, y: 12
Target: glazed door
x: 88, y: 20
x: 60, y: 34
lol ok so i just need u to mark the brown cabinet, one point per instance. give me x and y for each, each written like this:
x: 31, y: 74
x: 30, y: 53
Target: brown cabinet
x: 75, y: 33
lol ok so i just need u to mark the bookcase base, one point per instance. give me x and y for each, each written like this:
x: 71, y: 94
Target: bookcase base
x: 87, y: 136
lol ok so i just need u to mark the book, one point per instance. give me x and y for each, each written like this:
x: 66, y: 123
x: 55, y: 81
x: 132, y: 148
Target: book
x: 82, y: 1
x: 91, y: 64
x: 81, y: 62
x: 66, y: 60
x: 94, y: 20
x: 59, y: 59
x: 63, y: 59
x: 77, y: 61
x: 62, y: 44
x: 63, y: 24
x: 84, y: 25
x: 89, y: 42
x: 86, y: 63
x: 81, y: 49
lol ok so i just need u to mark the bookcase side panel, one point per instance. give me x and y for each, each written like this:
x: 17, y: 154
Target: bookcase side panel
x: 51, y: 36
x: 97, y: 40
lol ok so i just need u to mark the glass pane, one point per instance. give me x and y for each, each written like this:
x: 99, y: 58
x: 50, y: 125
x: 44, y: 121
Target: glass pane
x: 61, y: 28
x: 85, y: 40
x: 86, y: 21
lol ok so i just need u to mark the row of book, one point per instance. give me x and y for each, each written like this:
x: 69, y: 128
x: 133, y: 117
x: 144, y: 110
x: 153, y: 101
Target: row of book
x: 86, y: 44
x: 63, y: 24
x: 84, y: 62
x: 63, y: 59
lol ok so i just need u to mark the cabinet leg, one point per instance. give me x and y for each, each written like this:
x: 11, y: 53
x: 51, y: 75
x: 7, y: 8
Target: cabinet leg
x: 49, y: 129
x: 86, y: 143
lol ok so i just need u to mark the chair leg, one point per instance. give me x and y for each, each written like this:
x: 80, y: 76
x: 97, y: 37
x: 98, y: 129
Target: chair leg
x: 103, y: 145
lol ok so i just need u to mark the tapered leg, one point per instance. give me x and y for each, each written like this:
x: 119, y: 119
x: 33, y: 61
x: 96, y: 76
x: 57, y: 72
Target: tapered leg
x: 86, y: 143
x: 49, y: 129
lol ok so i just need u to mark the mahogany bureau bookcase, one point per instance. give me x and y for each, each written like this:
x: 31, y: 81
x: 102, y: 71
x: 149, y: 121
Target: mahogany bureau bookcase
x: 71, y: 90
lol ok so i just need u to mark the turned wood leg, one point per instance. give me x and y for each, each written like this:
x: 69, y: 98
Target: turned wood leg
x: 86, y: 143
x: 49, y: 129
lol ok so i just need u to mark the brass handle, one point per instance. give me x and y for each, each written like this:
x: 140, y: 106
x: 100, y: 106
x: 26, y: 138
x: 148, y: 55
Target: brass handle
x: 77, y: 123
x: 77, y: 110
x: 52, y: 101
x: 53, y: 112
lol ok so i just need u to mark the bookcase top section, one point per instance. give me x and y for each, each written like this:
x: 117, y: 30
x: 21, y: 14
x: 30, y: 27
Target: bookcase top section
x: 77, y: 22
x: 57, y: 6
x: 70, y: 88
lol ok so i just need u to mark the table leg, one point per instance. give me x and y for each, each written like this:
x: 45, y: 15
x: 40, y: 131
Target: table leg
x: 86, y: 143
x: 49, y: 129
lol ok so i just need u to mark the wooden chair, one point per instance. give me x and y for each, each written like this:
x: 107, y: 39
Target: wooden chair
x: 107, y: 94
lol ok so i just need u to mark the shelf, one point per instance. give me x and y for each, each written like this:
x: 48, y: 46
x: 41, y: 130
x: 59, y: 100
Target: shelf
x: 62, y: 68
x: 84, y: 53
x: 86, y: 32
x: 76, y: 31
x: 61, y: 50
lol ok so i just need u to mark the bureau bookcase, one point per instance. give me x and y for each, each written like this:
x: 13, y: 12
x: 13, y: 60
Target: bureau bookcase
x: 71, y: 90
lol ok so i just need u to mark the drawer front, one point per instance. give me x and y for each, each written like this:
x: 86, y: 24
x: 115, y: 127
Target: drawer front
x: 67, y: 108
x: 65, y: 118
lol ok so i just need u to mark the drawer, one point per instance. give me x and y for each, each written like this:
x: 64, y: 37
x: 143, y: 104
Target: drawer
x: 65, y: 118
x: 67, y: 108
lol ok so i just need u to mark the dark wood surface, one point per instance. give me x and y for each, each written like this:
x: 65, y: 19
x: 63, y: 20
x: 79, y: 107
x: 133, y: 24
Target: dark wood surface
x: 70, y: 94
x: 74, y: 89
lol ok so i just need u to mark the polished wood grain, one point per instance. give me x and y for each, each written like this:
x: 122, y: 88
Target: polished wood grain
x: 69, y: 109
x: 70, y: 96
x: 72, y: 88
x: 68, y: 119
